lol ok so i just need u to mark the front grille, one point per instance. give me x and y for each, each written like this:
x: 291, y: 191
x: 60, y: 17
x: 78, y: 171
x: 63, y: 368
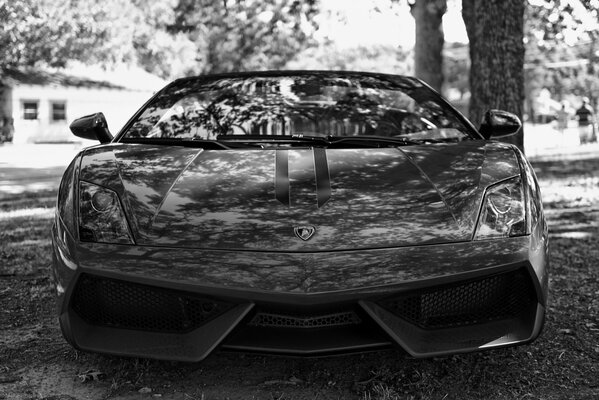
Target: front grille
x: 466, y: 303
x: 278, y: 320
x: 114, y: 303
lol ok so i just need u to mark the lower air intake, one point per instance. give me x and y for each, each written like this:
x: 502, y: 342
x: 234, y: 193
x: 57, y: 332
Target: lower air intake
x: 273, y: 320
x: 466, y: 303
x: 114, y: 303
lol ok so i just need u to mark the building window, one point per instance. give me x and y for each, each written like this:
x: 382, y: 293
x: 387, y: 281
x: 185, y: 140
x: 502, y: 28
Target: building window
x: 30, y: 109
x: 59, y: 111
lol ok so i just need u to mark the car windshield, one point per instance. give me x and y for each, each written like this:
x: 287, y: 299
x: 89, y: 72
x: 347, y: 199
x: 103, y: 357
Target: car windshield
x: 317, y: 105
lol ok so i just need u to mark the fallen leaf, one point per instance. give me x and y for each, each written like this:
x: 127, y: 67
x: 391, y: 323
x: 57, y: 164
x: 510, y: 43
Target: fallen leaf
x: 9, y: 378
x: 91, y: 375
x: 279, y: 382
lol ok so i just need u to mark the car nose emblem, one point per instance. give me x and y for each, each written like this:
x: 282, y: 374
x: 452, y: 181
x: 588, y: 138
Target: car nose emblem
x: 304, y: 232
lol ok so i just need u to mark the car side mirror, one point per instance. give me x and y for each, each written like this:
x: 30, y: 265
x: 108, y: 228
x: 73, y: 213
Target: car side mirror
x: 92, y: 127
x: 498, y: 123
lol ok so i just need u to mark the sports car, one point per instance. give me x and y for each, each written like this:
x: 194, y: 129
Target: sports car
x: 299, y: 213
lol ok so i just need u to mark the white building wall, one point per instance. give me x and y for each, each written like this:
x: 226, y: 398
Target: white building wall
x: 118, y: 105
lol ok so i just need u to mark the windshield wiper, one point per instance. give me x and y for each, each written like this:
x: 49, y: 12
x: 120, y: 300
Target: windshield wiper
x: 200, y: 143
x: 364, y: 139
x: 273, y: 139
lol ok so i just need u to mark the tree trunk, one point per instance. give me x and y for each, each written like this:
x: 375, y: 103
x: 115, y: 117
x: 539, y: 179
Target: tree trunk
x: 496, y: 31
x: 428, y: 56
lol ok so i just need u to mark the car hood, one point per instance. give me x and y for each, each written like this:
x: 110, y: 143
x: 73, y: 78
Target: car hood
x: 263, y: 199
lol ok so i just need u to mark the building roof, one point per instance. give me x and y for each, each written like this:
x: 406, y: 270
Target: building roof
x: 83, y: 76
x: 11, y: 77
x: 129, y: 77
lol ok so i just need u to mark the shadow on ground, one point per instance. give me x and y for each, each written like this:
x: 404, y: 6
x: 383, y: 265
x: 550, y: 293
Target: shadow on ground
x: 36, y: 363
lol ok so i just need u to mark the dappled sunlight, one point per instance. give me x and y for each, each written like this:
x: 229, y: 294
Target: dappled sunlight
x: 570, y: 190
x: 18, y: 184
x: 567, y: 184
x: 544, y: 140
x: 226, y: 198
x: 10, y: 188
x: 303, y: 272
x: 572, y: 235
x: 32, y: 213
x: 541, y: 138
x: 38, y: 156
x: 577, y: 192
x: 30, y: 242
x: 573, y: 223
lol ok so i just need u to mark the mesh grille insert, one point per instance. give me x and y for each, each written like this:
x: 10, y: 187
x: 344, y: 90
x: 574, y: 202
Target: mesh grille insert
x: 478, y: 301
x: 277, y: 320
x: 119, y: 304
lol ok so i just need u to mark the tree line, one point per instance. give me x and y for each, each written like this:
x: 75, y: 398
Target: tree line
x: 184, y: 37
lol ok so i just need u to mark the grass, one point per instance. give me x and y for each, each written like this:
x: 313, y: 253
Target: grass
x: 562, y: 363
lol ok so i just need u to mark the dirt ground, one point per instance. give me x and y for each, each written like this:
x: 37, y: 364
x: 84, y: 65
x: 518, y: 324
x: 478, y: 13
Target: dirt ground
x: 36, y: 363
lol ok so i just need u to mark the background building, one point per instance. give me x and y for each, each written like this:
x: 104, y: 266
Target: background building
x: 37, y: 106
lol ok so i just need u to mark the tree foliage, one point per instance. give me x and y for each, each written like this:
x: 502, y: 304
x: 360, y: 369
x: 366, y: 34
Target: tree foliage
x: 170, y: 38
x: 456, y: 68
x: 562, y: 49
x: 242, y: 35
x: 50, y: 32
x: 380, y: 58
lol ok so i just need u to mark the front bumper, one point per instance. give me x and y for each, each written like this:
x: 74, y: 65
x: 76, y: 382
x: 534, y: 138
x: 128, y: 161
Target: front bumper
x: 181, y: 304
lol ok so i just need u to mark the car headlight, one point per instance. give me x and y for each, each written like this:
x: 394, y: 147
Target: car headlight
x: 101, y: 216
x: 503, y: 213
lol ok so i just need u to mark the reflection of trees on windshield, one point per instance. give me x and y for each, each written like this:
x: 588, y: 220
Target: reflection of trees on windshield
x: 311, y: 105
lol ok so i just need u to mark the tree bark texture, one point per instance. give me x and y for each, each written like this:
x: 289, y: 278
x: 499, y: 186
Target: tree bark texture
x: 428, y: 50
x: 496, y: 30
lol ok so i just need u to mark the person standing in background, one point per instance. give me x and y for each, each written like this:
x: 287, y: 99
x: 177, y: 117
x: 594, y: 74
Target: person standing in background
x: 586, y: 122
x: 562, y: 118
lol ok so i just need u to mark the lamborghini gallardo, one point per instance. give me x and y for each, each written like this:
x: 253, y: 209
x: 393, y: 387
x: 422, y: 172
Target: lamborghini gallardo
x: 299, y: 213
